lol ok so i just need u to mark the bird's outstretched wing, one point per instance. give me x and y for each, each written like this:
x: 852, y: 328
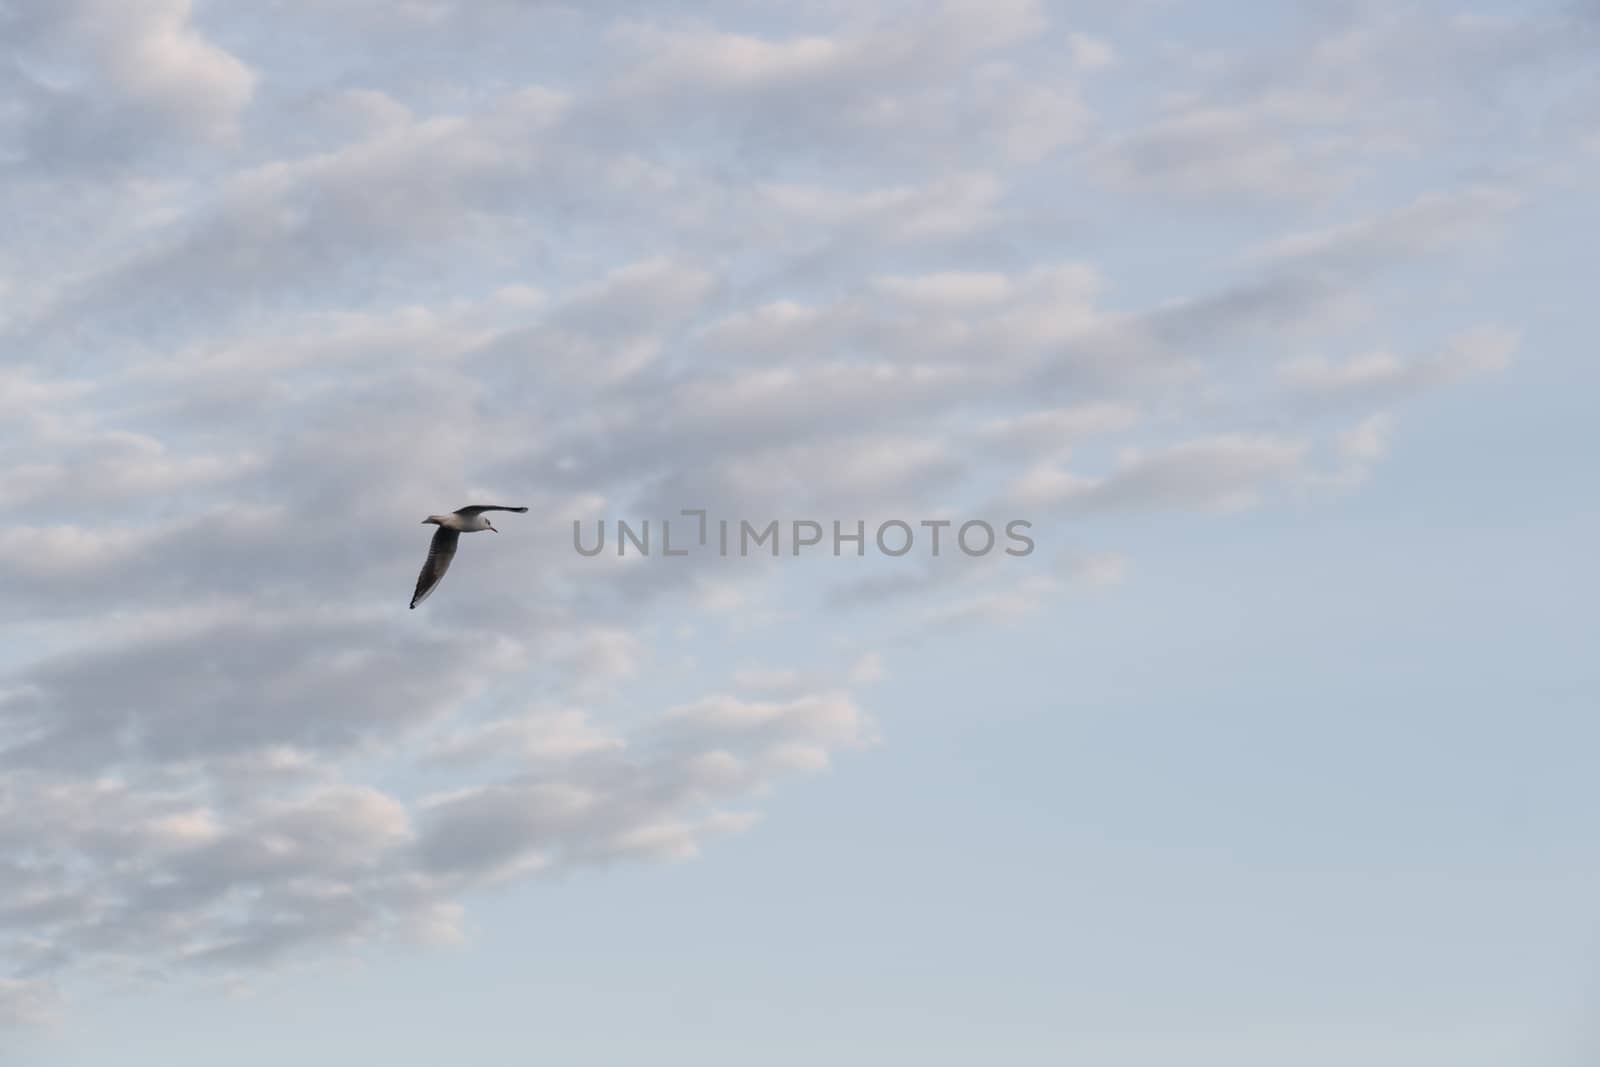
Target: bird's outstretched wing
x: 440, y: 553
x: 479, y: 509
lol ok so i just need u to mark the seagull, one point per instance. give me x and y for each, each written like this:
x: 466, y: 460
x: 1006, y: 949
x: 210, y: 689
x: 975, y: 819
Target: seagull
x: 443, y: 549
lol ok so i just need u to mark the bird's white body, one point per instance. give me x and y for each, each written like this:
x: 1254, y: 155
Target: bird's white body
x: 460, y: 523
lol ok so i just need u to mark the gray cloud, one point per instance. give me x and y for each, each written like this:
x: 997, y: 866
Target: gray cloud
x: 120, y: 77
x: 143, y: 873
x: 1337, y: 96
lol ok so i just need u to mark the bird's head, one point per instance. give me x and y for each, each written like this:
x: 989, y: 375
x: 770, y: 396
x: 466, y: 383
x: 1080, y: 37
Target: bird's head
x: 487, y: 525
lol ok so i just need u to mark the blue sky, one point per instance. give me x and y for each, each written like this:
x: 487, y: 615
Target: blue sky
x: 1275, y: 324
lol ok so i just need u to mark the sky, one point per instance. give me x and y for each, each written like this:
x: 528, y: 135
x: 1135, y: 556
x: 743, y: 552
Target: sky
x: 1271, y: 323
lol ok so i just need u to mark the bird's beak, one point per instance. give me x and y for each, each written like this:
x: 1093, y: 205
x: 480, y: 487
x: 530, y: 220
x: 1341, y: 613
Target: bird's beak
x: 493, y: 530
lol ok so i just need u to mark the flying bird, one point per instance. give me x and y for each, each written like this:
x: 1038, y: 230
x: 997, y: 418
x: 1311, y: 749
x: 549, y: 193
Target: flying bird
x: 443, y: 549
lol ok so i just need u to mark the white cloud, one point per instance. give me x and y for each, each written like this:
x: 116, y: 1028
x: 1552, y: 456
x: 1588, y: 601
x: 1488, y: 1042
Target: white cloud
x: 722, y: 62
x: 948, y: 206
x: 534, y: 737
x: 1097, y: 569
x: 132, y: 872
x: 154, y: 53
x: 121, y: 78
x: 868, y: 669
x: 1368, y: 440
x: 729, y: 62
x: 1431, y: 223
x: 1354, y: 452
x: 1383, y: 376
x: 1056, y: 429
x: 1090, y: 54
x: 654, y: 797
x: 953, y: 290
x: 1323, y: 104
x: 1220, y: 473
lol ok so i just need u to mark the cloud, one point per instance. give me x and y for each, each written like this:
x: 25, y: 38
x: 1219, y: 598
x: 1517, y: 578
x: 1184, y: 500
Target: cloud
x: 1206, y: 152
x: 868, y: 669
x: 1327, y: 101
x: 236, y: 686
x: 1055, y: 429
x: 1382, y: 377
x: 720, y: 62
x: 1093, y: 568
x: 1434, y: 222
x: 534, y: 737
x: 133, y: 73
x: 1090, y: 54
x: 286, y: 226
x: 606, y: 331
x: 949, y: 290
x: 157, y: 871
x: 948, y: 206
x: 922, y: 79
x: 1220, y: 473
x: 159, y: 58
x: 27, y: 1003
x: 650, y: 797
x: 1368, y: 440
